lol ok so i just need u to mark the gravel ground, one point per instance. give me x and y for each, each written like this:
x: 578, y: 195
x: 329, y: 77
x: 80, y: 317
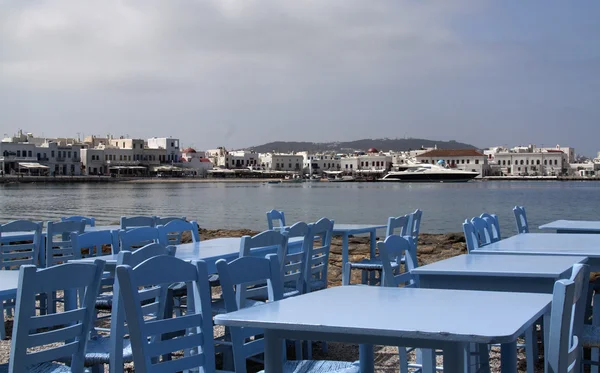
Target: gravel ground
x: 432, y: 247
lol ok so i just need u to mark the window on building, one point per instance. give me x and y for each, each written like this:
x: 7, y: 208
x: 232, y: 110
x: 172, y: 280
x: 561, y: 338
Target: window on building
x: 290, y: 165
x: 120, y: 157
x: 468, y: 161
x: 29, y: 153
x: 519, y: 168
x: 377, y: 163
x: 172, y: 144
x: 521, y: 163
x: 52, y: 153
x: 362, y: 164
x: 509, y: 162
x: 477, y: 161
x: 297, y: 166
x: 69, y: 154
x: 350, y: 166
x: 106, y: 157
x: 462, y: 161
x: 555, y: 162
x: 527, y: 162
x: 18, y: 153
x: 537, y: 162
x: 346, y: 166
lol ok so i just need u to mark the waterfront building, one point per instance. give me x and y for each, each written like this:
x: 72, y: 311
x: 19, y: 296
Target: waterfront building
x: 170, y: 147
x: 532, y: 161
x: 316, y: 164
x: 462, y: 159
x: 49, y: 158
x: 281, y: 162
x: 373, y: 162
x: 193, y: 160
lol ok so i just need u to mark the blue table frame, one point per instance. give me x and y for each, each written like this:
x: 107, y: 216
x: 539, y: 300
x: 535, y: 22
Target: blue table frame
x: 573, y: 226
x: 371, y: 315
x: 347, y: 230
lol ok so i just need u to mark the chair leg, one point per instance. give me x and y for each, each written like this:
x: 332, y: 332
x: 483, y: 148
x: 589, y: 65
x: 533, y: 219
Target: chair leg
x: 3, y: 326
x: 298, y: 347
x: 484, y: 358
x: 308, y: 350
x: 364, y: 277
x: 324, y: 347
x: 98, y: 368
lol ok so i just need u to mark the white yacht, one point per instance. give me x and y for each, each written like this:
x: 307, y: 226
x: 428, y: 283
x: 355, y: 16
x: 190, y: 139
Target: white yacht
x: 425, y: 172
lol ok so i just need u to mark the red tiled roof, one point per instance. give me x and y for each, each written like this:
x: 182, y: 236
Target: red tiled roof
x: 554, y: 151
x: 452, y: 153
x: 204, y: 160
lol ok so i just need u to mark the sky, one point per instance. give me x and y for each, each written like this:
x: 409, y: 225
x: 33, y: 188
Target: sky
x: 240, y: 73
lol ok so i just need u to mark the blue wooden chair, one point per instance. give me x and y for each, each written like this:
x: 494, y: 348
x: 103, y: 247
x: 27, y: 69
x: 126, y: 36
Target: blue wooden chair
x: 171, y: 232
x: 521, y: 219
x: 471, y: 236
x: 114, y: 349
x: 70, y: 327
x: 93, y: 242
x: 274, y: 239
x: 482, y: 228
x: 15, y: 254
x: 566, y: 322
x: 275, y: 216
x: 137, y: 221
x: 135, y: 238
x: 237, y: 278
x: 317, y: 256
x: 370, y: 265
x: 59, y: 248
x: 414, y: 225
x: 149, y: 349
x: 90, y: 222
x: 167, y: 219
x: 494, y: 224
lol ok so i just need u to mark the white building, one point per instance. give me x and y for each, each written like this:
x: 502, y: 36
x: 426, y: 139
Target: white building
x: 49, y: 158
x: 170, y: 145
x: 281, y: 162
x: 191, y: 159
x: 318, y: 163
x: 533, y: 162
x: 372, y: 162
x: 462, y: 159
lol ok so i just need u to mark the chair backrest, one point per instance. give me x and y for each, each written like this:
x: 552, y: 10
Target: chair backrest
x: 153, y: 338
x: 414, y: 225
x: 317, y: 256
x: 90, y: 222
x: 94, y: 242
x: 235, y: 278
x: 400, y: 223
x: 167, y: 219
x: 274, y: 239
x: 494, y: 224
x: 566, y: 321
x: 275, y: 216
x: 483, y: 231
x: 171, y: 232
x: 294, y: 263
x: 135, y: 238
x: 59, y: 248
x: 521, y: 219
x: 471, y: 237
x: 16, y: 254
x: 70, y: 327
x: 137, y: 221
x: 151, y: 294
x: 391, y: 252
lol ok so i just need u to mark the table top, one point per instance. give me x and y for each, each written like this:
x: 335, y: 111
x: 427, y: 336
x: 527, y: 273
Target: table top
x: 208, y: 250
x: 87, y: 229
x: 355, y: 228
x: 374, y: 311
x: 546, y: 244
x: 575, y: 225
x: 502, y: 265
x: 9, y: 279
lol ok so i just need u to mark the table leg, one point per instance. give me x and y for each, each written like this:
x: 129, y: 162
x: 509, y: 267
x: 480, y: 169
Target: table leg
x: 367, y: 358
x: 426, y: 357
x: 595, y: 352
x: 373, y: 242
x: 546, y: 331
x: 273, y: 352
x: 344, y: 254
x: 508, y: 359
x: 454, y: 358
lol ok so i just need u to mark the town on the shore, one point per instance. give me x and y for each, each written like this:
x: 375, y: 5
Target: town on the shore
x: 27, y: 155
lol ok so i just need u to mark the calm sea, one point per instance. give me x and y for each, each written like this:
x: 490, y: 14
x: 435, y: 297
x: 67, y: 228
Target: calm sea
x: 243, y: 205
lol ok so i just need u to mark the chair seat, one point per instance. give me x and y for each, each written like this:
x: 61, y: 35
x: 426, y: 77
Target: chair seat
x: 590, y: 336
x: 370, y: 265
x: 218, y: 306
x: 98, y: 351
x: 213, y: 280
x: 314, y: 366
x: 41, y: 368
x: 104, y: 302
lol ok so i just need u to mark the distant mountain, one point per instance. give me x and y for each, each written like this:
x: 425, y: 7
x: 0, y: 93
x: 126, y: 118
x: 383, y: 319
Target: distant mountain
x: 358, y: 145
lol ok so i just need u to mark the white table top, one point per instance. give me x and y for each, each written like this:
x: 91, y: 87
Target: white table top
x: 502, y: 265
x: 546, y: 244
x: 87, y: 229
x: 9, y: 280
x: 352, y: 228
x: 576, y: 225
x: 377, y: 311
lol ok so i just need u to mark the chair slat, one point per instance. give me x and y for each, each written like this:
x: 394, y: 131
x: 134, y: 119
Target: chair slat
x: 17, y: 247
x: 175, y: 344
x: 181, y: 364
x: 53, y: 353
x: 53, y: 319
x: 178, y: 323
x: 66, y: 333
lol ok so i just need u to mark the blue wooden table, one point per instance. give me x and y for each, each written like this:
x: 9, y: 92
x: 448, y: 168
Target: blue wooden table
x: 347, y: 230
x: 587, y: 245
x: 573, y: 226
x: 210, y: 251
x: 423, y: 318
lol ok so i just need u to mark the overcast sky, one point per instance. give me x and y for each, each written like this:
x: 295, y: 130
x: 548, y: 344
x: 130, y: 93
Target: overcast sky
x: 243, y: 72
